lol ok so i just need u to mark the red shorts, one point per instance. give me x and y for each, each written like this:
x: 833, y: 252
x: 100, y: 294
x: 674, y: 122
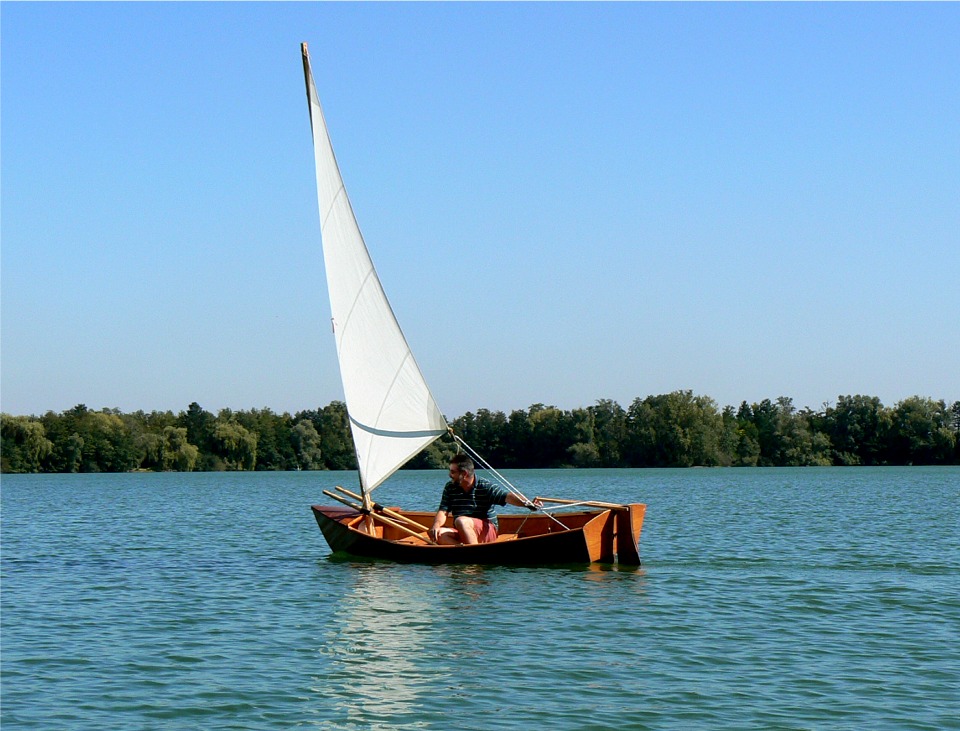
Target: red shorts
x: 486, y: 530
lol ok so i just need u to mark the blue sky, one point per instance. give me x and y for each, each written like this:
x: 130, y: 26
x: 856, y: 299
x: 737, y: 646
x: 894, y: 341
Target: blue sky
x: 565, y: 202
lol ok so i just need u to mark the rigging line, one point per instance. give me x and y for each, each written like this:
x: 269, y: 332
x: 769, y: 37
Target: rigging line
x: 487, y: 466
x: 523, y: 523
x: 484, y: 464
x: 500, y: 478
x: 549, y: 515
x: 565, y: 505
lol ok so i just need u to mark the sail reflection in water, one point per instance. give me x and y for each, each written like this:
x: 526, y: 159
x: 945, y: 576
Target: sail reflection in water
x: 407, y: 645
x: 385, y: 647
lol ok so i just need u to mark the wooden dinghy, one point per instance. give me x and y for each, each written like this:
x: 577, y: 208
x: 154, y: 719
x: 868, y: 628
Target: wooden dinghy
x: 393, y: 416
x: 610, y: 533
x: 592, y: 536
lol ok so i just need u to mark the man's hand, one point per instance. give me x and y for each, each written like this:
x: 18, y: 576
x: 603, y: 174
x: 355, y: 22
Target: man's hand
x: 522, y: 502
x: 438, y: 523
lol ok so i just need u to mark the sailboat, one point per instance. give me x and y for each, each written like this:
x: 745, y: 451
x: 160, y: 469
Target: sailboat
x: 393, y: 416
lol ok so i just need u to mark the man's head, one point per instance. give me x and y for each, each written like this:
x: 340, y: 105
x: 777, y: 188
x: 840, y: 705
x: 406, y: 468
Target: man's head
x: 461, y: 470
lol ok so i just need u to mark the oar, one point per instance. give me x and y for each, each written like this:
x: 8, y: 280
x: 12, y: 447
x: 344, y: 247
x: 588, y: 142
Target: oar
x: 386, y: 511
x: 587, y: 503
x: 381, y: 518
x: 339, y: 499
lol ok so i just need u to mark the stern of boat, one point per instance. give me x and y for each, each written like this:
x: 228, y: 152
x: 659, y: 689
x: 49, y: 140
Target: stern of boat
x: 614, y: 535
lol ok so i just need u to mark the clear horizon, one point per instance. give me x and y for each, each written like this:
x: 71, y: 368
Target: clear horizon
x: 565, y: 202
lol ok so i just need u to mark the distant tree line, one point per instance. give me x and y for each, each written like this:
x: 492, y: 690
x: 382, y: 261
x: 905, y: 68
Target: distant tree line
x: 678, y: 429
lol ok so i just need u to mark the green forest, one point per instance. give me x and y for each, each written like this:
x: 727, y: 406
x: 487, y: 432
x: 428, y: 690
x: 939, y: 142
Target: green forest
x: 678, y: 429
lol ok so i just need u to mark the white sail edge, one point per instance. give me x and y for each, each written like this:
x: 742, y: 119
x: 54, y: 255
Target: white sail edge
x: 393, y: 415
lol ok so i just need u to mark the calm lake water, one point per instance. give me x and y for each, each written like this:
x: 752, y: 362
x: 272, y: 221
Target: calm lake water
x: 768, y: 599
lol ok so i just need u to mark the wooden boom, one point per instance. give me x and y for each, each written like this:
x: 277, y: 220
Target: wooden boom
x: 587, y: 503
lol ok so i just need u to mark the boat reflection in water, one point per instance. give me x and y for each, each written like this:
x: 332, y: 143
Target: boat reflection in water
x: 390, y: 644
x: 406, y: 641
x: 377, y: 642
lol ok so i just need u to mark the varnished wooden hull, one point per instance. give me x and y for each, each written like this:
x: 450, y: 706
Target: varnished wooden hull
x: 590, y: 536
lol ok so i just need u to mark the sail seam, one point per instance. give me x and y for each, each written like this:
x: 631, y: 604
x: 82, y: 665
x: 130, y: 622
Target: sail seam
x: 393, y: 382
x: 341, y: 331
x: 342, y: 190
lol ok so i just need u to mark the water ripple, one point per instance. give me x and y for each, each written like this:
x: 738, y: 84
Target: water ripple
x: 210, y: 601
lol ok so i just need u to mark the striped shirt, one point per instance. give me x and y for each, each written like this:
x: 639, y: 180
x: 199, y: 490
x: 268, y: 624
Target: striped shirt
x: 478, y: 503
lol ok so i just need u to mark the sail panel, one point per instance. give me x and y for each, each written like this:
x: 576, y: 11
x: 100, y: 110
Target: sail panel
x: 393, y: 415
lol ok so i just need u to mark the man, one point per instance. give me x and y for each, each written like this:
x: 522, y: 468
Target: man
x: 471, y: 500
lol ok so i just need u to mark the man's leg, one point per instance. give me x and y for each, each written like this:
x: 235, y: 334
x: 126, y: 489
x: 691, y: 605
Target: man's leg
x: 467, y: 528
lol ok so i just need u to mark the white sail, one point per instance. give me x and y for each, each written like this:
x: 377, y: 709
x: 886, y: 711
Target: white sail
x: 393, y: 415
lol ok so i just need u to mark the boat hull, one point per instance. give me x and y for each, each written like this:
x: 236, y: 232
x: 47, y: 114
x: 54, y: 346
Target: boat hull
x: 601, y: 536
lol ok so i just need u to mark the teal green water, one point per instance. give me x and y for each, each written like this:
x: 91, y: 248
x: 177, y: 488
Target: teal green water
x: 768, y: 599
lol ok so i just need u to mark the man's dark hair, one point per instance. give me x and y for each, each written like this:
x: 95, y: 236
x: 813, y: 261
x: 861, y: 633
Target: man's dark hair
x: 463, y: 463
